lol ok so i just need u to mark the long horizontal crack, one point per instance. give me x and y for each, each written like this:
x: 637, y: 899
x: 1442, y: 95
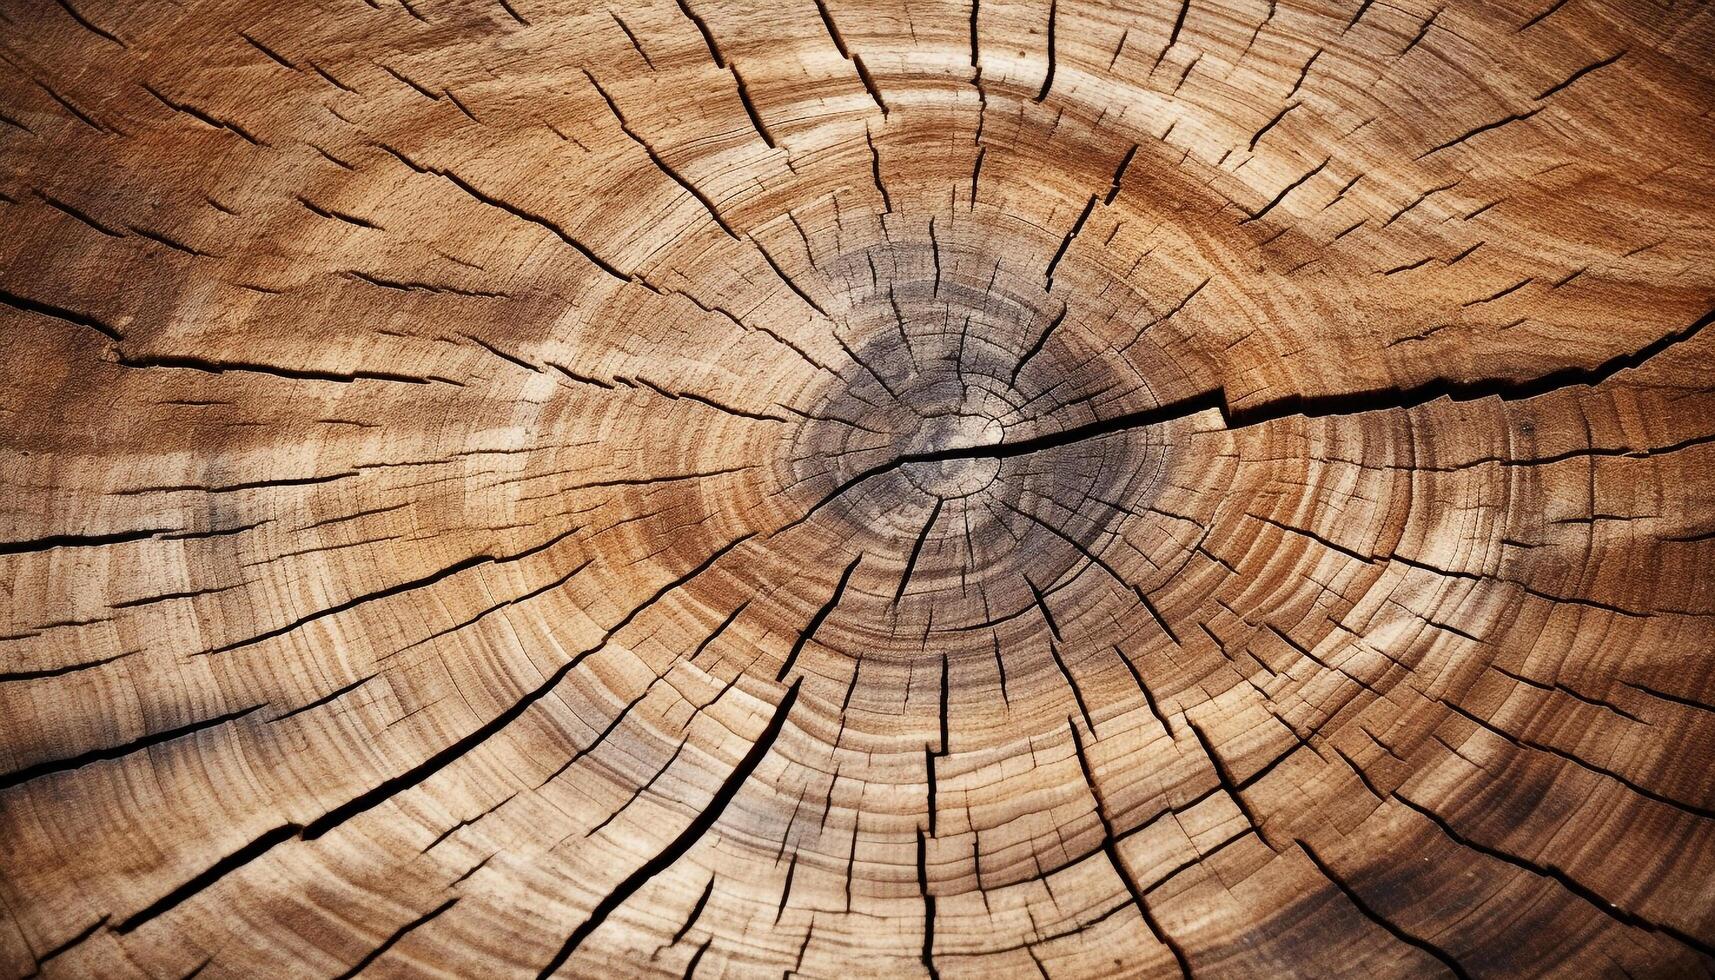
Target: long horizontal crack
x: 29, y: 305
x: 110, y: 752
x: 209, y: 366
x: 392, y: 590
x: 1309, y: 406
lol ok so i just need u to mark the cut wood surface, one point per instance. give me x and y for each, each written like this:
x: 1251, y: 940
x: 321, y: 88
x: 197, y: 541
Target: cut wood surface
x: 829, y: 488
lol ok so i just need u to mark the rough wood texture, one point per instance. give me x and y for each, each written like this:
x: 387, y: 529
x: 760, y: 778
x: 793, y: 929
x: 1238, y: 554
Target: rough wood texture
x: 829, y: 488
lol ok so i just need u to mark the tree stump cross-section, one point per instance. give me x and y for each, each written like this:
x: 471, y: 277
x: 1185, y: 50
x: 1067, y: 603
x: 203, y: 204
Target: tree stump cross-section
x: 1059, y: 488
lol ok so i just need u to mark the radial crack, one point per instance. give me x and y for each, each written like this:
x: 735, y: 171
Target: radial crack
x: 701, y: 824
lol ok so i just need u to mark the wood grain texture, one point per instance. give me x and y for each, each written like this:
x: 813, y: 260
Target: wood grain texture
x: 828, y: 488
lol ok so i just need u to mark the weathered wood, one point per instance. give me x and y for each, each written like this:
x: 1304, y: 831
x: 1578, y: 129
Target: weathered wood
x: 828, y: 488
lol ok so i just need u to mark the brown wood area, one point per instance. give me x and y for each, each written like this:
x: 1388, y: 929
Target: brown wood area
x: 820, y: 488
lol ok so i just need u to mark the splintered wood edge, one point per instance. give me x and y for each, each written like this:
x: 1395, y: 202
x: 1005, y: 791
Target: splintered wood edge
x: 1028, y: 488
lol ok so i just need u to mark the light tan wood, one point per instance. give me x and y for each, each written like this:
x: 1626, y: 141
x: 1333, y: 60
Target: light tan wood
x: 700, y: 487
